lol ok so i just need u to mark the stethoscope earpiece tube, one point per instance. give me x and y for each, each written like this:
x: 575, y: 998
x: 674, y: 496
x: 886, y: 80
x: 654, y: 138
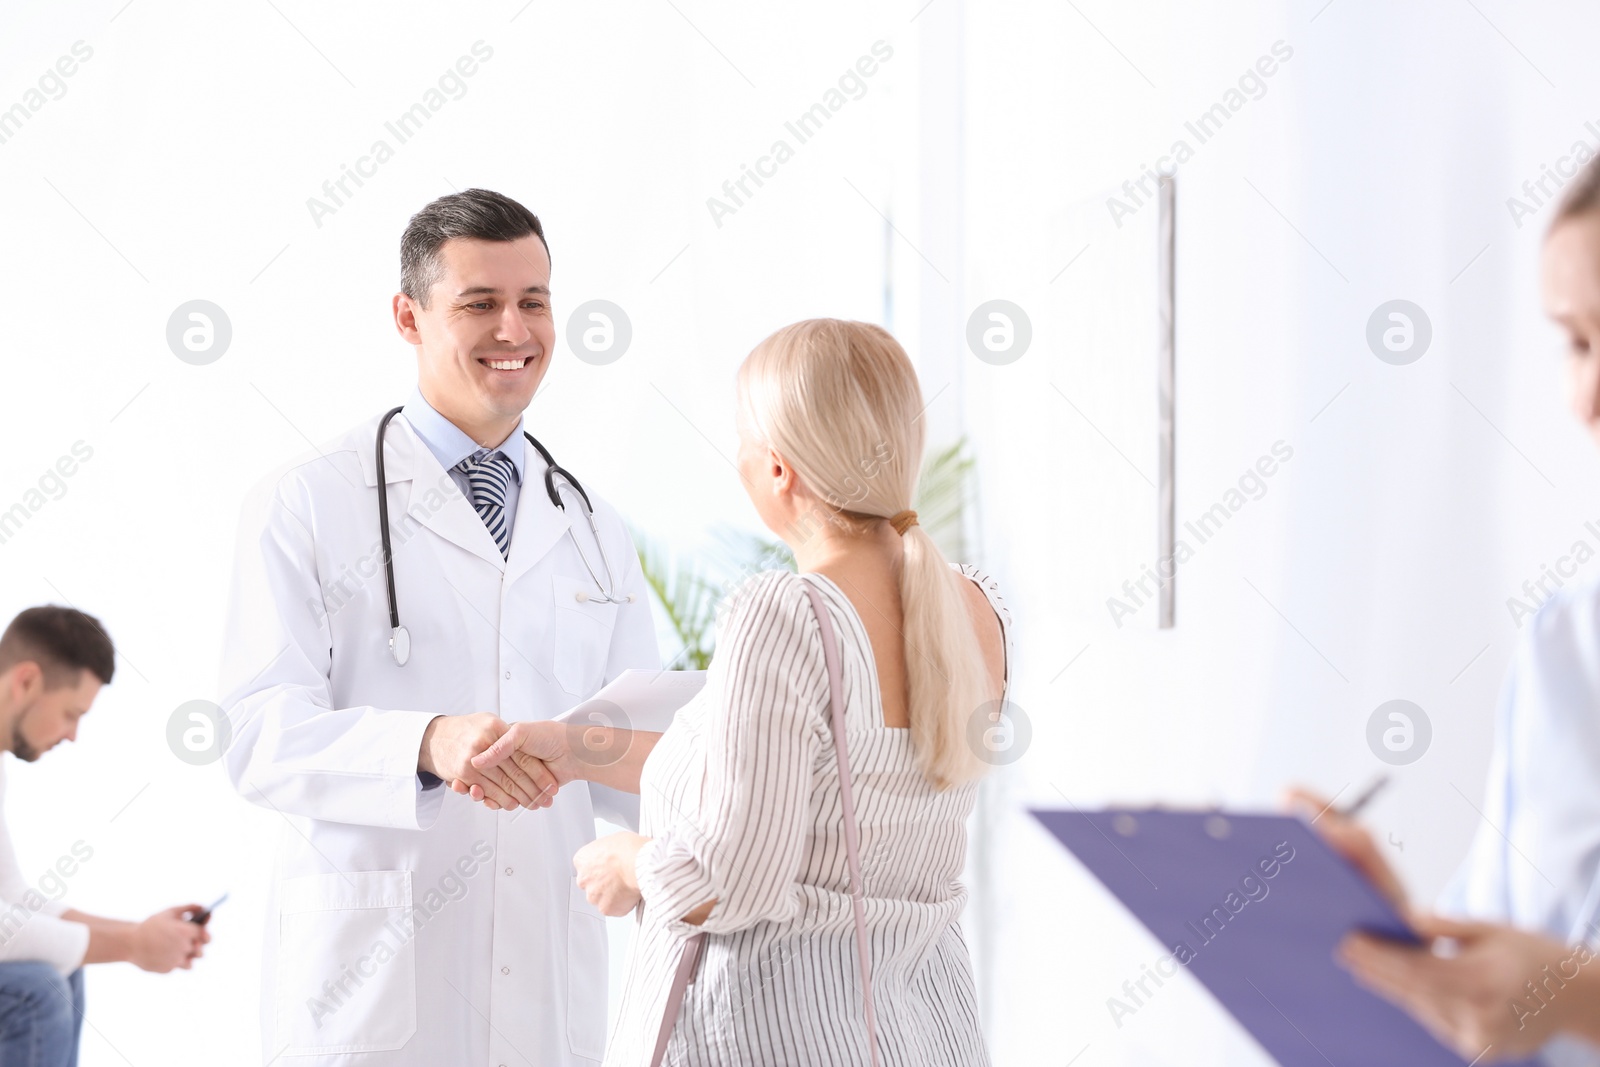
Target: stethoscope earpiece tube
x: 399, y: 637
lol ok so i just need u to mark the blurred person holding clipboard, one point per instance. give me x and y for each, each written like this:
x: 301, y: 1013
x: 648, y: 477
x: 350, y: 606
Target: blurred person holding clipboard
x: 1513, y: 968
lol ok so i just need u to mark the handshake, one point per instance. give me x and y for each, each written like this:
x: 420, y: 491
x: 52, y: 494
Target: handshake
x: 515, y: 765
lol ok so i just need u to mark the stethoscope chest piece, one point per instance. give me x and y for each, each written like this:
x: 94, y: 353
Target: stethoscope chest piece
x: 400, y: 644
x: 399, y: 637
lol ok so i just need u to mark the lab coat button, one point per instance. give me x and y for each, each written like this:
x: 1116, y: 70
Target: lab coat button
x: 505, y: 970
x: 580, y: 596
x: 508, y: 674
x: 508, y: 870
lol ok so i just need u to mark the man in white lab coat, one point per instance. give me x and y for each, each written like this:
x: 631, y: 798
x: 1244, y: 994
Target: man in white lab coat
x: 409, y: 925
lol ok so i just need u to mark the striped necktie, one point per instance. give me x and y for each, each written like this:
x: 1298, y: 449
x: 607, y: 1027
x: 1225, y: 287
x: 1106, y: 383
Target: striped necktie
x: 489, y: 474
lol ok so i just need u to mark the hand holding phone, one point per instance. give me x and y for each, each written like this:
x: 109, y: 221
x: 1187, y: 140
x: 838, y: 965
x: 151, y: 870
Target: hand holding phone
x: 203, y: 916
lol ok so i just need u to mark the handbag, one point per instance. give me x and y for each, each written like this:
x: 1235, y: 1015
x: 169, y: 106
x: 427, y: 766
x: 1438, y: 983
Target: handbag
x: 692, y: 948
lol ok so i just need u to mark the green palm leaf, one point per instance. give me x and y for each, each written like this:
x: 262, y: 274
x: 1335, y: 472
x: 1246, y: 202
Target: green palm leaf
x: 690, y: 599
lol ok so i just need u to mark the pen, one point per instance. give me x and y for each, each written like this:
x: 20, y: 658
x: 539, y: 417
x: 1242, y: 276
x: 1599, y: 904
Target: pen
x: 1353, y: 809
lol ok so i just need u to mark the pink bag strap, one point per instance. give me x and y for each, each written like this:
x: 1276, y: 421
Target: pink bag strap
x: 692, y: 948
x: 680, y: 986
x: 852, y: 847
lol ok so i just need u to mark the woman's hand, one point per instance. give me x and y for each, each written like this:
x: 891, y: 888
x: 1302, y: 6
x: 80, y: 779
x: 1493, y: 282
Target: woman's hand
x: 545, y: 740
x: 541, y: 799
x: 539, y: 749
x: 592, y: 750
x: 1476, y: 1000
x: 450, y: 742
x: 605, y: 872
x: 1350, y: 839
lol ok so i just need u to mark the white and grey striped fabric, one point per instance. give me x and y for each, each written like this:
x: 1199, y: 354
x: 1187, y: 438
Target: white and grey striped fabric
x: 741, y: 800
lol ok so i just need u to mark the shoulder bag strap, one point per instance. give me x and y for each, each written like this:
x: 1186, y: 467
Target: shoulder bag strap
x: 680, y: 986
x: 852, y: 848
x: 693, y: 946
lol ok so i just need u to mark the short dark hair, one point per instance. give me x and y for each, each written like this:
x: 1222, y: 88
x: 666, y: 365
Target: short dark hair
x: 62, y: 641
x: 479, y: 213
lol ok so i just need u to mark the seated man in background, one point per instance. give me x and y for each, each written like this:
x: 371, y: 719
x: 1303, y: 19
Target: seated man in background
x: 53, y: 662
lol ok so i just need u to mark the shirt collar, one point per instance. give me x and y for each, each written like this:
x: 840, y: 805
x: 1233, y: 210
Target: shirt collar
x: 449, y: 443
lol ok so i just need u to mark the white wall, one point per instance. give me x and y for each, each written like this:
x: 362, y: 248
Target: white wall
x: 1390, y: 140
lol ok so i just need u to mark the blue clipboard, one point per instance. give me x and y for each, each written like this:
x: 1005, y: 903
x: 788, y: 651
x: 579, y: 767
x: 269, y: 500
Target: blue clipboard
x: 1261, y: 943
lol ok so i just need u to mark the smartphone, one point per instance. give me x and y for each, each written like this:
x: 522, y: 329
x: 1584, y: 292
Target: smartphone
x: 203, y: 916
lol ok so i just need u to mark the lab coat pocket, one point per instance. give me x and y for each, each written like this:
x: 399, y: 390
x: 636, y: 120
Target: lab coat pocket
x: 347, y: 977
x: 583, y: 628
x: 587, y: 954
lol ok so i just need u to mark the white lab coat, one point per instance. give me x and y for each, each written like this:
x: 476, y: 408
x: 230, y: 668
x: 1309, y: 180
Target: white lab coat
x: 410, y: 928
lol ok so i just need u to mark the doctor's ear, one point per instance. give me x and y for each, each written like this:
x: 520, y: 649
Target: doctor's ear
x: 405, y: 319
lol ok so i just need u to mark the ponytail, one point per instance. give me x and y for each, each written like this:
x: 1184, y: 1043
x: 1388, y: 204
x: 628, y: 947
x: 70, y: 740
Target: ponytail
x: 841, y: 403
x: 946, y: 680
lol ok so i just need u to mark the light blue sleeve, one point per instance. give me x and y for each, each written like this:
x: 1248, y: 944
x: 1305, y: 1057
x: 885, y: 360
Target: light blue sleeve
x: 1480, y: 888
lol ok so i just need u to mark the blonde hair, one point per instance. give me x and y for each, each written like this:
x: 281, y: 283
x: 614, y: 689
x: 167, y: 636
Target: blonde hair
x: 840, y: 402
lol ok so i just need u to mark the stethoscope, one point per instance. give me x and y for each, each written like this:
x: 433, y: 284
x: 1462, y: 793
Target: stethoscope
x: 399, y: 636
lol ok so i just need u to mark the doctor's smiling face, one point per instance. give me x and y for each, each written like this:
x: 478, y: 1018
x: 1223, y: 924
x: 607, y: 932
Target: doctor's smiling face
x: 479, y: 315
x: 485, y: 338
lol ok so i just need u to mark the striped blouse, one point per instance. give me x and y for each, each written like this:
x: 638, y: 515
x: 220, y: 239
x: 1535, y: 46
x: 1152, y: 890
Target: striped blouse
x: 741, y: 801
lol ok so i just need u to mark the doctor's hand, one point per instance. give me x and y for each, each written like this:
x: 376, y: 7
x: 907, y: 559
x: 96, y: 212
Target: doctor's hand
x: 167, y: 940
x: 546, y: 743
x: 450, y: 742
x: 538, y: 748
x: 606, y: 872
x: 1352, y: 841
x: 1477, y: 998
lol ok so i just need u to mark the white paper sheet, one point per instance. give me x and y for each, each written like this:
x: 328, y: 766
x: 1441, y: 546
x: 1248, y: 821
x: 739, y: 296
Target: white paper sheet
x: 635, y: 700
x: 638, y: 700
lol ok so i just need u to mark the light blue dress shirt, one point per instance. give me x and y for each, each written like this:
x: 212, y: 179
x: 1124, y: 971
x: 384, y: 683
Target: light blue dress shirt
x: 1543, y: 794
x: 450, y: 445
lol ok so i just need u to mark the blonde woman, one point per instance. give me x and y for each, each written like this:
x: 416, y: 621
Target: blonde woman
x: 741, y: 798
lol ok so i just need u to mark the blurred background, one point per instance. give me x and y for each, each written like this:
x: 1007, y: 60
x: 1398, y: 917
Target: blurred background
x: 994, y: 153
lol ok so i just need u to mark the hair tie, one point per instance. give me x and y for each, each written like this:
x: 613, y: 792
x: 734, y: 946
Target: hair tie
x: 903, y: 521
